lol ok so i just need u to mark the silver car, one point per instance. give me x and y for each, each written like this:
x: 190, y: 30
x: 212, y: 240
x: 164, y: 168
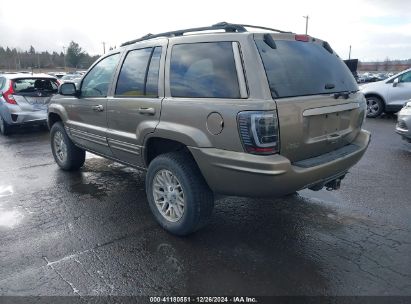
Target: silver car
x: 404, y: 122
x: 24, y: 99
x: 387, y: 95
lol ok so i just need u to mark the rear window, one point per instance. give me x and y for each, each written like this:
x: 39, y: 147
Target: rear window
x: 204, y: 70
x: 296, y: 68
x: 28, y: 85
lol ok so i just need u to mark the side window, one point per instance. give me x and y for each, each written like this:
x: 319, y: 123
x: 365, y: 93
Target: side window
x: 152, y: 73
x: 2, y: 81
x: 97, y: 81
x: 405, y: 77
x: 204, y: 70
x: 139, y: 73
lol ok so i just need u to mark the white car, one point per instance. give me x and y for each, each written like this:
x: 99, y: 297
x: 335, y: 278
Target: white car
x: 403, y: 126
x: 387, y: 95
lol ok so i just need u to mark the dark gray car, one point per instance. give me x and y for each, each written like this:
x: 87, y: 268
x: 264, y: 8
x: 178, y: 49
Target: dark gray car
x: 24, y: 99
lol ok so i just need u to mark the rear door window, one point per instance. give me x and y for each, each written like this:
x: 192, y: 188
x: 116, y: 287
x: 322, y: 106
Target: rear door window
x: 296, y: 68
x: 204, y: 70
x: 139, y: 73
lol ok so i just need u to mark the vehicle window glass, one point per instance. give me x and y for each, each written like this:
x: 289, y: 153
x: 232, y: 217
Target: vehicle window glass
x: 133, y: 72
x: 406, y: 77
x: 2, y: 81
x: 30, y: 85
x: 152, y: 74
x: 204, y: 70
x: 97, y: 81
x: 296, y: 68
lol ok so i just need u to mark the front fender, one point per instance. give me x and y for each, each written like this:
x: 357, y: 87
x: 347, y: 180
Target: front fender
x: 59, y: 110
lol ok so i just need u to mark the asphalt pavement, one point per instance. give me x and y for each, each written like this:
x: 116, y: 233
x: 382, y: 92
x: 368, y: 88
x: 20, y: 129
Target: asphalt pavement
x: 91, y: 232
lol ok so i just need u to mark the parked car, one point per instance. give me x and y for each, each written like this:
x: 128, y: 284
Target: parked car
x: 69, y: 77
x: 234, y: 112
x: 58, y: 75
x: 24, y: 99
x: 387, y: 95
x: 404, y: 122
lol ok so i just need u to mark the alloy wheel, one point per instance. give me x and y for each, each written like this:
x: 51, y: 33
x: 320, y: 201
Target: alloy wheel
x: 168, y: 195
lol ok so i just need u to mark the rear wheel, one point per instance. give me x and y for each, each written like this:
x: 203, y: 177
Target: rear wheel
x: 67, y: 155
x: 178, y: 195
x: 375, y: 106
x: 4, y: 127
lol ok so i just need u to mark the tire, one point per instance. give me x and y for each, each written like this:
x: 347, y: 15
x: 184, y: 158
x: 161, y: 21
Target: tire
x: 4, y: 127
x: 375, y: 106
x: 67, y: 155
x: 184, y: 190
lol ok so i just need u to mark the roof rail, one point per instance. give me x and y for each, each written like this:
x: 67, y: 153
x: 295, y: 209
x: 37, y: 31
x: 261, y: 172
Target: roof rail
x: 228, y: 27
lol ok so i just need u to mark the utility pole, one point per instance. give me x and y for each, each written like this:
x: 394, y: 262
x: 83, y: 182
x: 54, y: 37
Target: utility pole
x: 306, y: 23
x: 64, y: 57
x: 349, y: 54
x: 104, y: 47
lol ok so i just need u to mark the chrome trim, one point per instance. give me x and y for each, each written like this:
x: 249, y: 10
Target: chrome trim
x: 240, y: 72
x: 331, y: 109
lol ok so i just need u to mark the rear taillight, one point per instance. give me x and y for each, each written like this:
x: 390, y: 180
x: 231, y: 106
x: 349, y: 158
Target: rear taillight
x: 8, y: 95
x: 259, y: 131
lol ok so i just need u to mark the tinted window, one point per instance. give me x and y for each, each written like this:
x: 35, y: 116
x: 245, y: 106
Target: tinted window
x: 204, y: 70
x: 296, y: 68
x: 152, y: 74
x: 131, y: 79
x: 97, y: 81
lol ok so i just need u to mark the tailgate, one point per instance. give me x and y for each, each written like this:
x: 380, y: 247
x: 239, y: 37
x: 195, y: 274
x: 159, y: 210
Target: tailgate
x: 314, y: 125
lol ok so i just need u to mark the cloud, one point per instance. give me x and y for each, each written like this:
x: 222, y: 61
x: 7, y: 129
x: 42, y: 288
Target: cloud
x: 371, y: 27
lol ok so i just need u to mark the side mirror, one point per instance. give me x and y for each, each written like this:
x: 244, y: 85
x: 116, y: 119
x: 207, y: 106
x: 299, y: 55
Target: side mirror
x: 68, y: 89
x: 395, y: 82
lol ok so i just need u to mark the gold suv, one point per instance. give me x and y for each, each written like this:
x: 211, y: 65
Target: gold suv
x: 215, y: 109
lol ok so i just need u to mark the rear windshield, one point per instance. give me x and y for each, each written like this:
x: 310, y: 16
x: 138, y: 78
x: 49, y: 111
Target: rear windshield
x: 296, y: 68
x: 28, y: 85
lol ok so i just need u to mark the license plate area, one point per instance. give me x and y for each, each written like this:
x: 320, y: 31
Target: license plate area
x: 324, y: 125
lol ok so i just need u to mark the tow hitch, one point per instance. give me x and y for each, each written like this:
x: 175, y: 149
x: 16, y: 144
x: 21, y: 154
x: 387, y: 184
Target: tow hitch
x: 333, y: 185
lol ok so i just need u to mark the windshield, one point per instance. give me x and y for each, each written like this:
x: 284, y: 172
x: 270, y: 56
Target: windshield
x: 296, y: 68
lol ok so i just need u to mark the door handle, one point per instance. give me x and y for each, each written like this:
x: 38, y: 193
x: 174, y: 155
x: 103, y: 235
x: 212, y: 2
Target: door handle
x: 98, y: 108
x: 147, y: 111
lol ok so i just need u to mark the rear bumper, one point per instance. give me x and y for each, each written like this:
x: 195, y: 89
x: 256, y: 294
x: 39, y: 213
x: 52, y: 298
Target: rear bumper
x: 17, y: 117
x: 243, y: 174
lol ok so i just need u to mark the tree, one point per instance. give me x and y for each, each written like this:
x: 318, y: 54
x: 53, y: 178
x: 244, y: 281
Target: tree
x: 74, y: 54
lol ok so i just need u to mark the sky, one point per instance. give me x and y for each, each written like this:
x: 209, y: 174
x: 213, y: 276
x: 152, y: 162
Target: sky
x: 375, y: 29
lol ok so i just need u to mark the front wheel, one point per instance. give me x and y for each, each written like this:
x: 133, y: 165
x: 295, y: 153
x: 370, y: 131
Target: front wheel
x: 178, y: 195
x: 66, y: 154
x: 375, y: 106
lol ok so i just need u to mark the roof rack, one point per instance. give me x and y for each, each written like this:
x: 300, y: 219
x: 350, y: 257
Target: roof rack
x: 228, y: 27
